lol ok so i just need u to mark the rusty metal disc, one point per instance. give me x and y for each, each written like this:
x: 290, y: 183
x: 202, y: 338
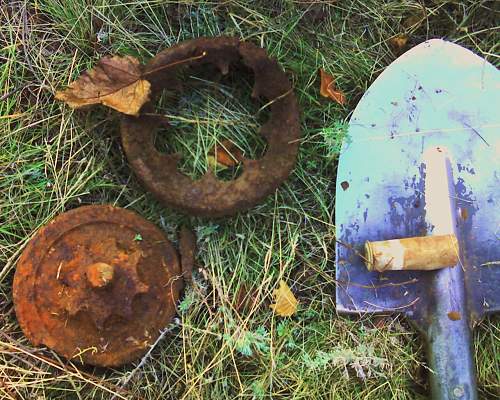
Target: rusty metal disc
x: 209, y: 196
x: 97, y: 284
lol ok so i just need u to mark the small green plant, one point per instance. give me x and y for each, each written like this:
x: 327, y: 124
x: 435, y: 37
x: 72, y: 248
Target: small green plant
x: 247, y: 342
x: 258, y: 389
x: 334, y: 136
x: 361, y: 359
x: 138, y: 237
x: 189, y: 299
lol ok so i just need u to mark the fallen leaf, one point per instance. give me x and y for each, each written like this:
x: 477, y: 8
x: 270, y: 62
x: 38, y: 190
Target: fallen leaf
x: 224, y: 155
x: 381, y: 322
x: 115, y: 82
x: 454, y: 316
x: 214, y: 165
x: 240, y: 298
x: 327, y: 88
x: 285, y: 302
x: 398, y: 42
x: 245, y: 298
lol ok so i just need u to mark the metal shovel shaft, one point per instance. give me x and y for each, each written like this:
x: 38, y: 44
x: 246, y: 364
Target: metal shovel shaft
x: 449, y: 341
x: 446, y: 327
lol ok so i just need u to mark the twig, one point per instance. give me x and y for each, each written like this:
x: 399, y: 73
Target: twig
x: 351, y: 247
x: 24, y: 39
x: 144, y: 359
x: 489, y: 263
x: 175, y: 63
x: 15, y: 90
x: 390, y: 284
x: 415, y: 301
x: 275, y: 100
x: 476, y: 132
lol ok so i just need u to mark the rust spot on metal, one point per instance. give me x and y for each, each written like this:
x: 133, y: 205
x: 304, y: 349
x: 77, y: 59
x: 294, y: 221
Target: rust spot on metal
x: 209, y: 196
x: 100, y: 274
x: 84, y: 286
x: 454, y: 316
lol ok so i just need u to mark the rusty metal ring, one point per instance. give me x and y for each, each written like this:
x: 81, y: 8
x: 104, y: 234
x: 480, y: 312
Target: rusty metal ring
x: 209, y: 196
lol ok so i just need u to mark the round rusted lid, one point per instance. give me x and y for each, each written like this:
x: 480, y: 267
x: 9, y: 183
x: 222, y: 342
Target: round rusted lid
x: 97, y: 284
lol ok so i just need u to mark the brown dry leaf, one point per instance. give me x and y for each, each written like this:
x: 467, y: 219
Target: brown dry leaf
x: 245, y: 298
x: 214, y: 165
x: 225, y: 155
x: 115, y: 82
x: 285, y: 302
x: 381, y: 322
x: 398, y: 42
x: 454, y: 316
x: 327, y: 88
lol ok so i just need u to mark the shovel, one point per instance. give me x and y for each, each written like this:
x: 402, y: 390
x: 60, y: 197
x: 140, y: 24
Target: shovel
x: 421, y: 159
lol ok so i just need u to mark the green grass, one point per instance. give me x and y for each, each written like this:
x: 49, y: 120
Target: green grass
x: 53, y: 159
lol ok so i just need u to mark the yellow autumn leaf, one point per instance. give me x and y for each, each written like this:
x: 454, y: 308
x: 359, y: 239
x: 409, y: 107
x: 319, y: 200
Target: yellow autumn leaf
x: 214, y: 164
x: 285, y: 303
x: 115, y: 82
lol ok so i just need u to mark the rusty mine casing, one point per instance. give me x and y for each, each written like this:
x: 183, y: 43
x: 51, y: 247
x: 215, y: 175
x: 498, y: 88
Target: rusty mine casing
x: 97, y: 284
x: 209, y: 196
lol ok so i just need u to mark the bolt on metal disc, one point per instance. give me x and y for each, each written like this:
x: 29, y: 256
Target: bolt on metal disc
x: 97, y: 284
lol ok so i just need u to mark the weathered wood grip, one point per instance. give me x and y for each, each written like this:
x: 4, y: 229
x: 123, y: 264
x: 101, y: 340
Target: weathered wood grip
x: 416, y: 253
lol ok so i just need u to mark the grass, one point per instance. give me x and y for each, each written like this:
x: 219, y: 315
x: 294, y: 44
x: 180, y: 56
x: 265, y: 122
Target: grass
x: 220, y: 346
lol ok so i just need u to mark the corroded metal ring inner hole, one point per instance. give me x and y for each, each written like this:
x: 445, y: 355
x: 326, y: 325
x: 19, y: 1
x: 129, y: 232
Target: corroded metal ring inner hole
x: 214, y: 113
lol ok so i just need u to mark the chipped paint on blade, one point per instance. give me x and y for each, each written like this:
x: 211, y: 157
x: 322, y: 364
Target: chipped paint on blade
x: 439, y: 192
x: 436, y: 94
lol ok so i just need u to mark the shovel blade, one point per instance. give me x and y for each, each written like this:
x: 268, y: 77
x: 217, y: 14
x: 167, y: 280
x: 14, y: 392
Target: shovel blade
x: 437, y: 94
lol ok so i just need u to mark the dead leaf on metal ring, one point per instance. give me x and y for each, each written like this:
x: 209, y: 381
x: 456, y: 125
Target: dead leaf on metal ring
x: 225, y: 155
x: 114, y: 82
x: 327, y: 88
x: 285, y: 303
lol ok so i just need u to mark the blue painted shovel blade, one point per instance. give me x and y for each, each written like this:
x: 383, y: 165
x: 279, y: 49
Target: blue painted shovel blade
x: 436, y: 94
